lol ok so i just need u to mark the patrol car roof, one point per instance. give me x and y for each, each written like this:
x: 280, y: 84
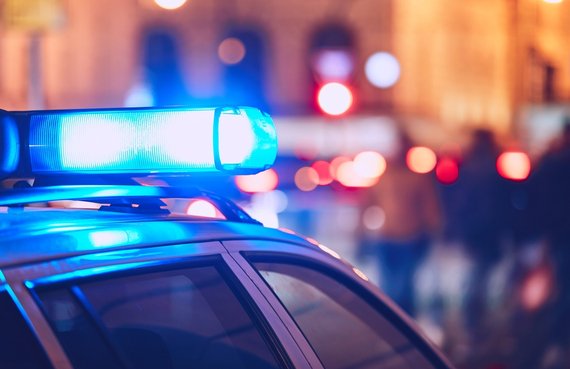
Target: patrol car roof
x: 40, y: 235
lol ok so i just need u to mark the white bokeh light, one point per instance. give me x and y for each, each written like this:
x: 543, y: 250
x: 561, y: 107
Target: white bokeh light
x: 170, y: 4
x: 382, y: 69
x: 335, y: 98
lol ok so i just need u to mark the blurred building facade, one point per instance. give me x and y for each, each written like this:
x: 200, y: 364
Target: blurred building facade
x: 463, y: 63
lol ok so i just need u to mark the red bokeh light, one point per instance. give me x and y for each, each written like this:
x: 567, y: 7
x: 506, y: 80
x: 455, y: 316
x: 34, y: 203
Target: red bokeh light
x: 323, y: 169
x: 447, y: 171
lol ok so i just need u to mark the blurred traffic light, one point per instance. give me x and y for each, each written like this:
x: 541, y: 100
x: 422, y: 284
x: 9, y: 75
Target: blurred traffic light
x: 335, y: 98
x: 332, y: 68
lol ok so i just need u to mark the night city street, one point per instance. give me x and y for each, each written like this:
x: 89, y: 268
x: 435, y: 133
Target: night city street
x: 424, y: 142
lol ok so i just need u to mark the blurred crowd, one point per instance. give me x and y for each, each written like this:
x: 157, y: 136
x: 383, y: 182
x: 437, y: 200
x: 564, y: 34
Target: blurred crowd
x: 511, y: 241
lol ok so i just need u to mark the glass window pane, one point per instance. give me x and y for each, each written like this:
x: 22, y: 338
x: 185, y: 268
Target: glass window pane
x: 185, y: 318
x: 78, y: 334
x: 19, y: 348
x: 345, y: 331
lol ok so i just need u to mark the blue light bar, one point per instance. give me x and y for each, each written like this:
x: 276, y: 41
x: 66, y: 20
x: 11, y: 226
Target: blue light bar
x: 234, y: 140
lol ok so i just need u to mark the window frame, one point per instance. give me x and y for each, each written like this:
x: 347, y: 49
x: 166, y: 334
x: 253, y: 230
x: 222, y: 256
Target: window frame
x: 78, y: 269
x: 41, y: 350
x: 272, y: 252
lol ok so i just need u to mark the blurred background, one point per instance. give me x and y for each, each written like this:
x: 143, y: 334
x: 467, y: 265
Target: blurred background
x: 426, y: 142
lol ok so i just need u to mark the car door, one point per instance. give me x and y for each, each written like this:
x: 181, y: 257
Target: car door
x: 175, y: 306
x: 332, y: 310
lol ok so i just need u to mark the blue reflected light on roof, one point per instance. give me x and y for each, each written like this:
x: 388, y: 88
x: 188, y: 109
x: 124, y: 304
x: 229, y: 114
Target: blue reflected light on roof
x: 114, y: 237
x: 151, y: 141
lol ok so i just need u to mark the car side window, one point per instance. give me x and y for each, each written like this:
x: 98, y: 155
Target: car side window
x: 343, y: 328
x: 182, y: 318
x: 19, y: 348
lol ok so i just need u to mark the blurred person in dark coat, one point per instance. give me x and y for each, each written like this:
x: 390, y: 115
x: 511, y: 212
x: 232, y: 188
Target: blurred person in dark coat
x: 482, y: 215
x: 551, y: 205
x: 410, y: 212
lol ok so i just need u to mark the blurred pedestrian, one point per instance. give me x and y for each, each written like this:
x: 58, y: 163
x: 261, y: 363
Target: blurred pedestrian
x: 408, y: 205
x: 551, y: 199
x: 482, y: 210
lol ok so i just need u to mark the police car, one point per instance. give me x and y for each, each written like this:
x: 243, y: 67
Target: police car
x: 101, y: 270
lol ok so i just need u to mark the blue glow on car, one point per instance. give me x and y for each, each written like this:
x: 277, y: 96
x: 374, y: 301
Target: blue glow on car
x: 152, y: 141
x: 109, y: 238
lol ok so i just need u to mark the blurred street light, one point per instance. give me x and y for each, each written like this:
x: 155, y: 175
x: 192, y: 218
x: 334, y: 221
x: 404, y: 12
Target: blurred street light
x: 170, y: 4
x: 231, y: 51
x: 382, y: 69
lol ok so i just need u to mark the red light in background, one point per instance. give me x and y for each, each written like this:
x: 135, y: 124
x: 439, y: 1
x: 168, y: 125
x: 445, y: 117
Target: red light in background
x: 421, y: 159
x: 514, y: 165
x: 323, y: 169
x: 447, y: 171
x: 334, y: 98
x: 261, y: 182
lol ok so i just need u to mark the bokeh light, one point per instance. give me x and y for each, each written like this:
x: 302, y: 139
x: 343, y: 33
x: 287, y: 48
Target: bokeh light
x: 203, y: 208
x: 514, y: 165
x: 373, y: 217
x: 323, y: 169
x: 334, y: 98
x: 335, y: 164
x: 536, y: 289
x: 382, y: 69
x: 421, y: 159
x: 170, y: 4
x: 447, y: 171
x: 231, y: 51
x: 330, y: 64
x: 306, y: 179
x: 369, y: 164
x: 349, y: 177
x: 261, y: 182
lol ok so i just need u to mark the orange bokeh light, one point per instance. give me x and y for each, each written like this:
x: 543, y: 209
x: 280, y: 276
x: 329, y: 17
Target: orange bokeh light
x: 421, y: 159
x: 514, y: 165
x: 306, y: 179
x: 231, y: 51
x: 335, y: 164
x: 261, y: 182
x: 349, y: 177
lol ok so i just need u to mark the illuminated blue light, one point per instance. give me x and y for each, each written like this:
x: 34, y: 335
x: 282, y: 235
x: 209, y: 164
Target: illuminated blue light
x: 152, y: 141
x: 247, y: 140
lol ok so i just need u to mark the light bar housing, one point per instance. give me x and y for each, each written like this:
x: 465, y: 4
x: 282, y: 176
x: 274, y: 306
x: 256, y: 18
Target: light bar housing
x: 234, y: 140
